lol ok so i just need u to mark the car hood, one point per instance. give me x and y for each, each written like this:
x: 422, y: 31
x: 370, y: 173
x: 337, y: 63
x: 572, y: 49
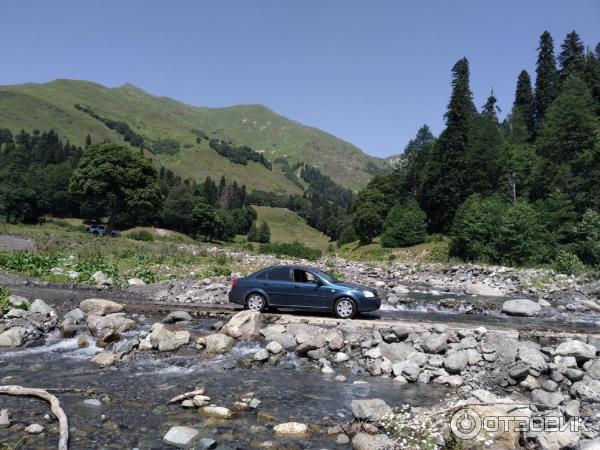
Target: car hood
x: 359, y: 287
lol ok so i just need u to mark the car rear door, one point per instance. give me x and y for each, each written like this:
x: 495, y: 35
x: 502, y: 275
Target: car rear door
x: 278, y: 285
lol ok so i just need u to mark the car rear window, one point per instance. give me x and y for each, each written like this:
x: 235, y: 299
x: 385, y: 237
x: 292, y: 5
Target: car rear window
x: 280, y: 273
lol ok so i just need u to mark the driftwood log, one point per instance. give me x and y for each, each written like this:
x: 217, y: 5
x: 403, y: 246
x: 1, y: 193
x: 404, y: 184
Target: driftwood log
x: 63, y: 424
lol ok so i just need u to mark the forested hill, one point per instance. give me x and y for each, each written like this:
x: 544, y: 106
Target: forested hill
x: 179, y: 136
x: 524, y: 190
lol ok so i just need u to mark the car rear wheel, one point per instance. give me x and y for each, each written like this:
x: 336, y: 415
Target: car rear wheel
x: 256, y: 302
x: 344, y: 308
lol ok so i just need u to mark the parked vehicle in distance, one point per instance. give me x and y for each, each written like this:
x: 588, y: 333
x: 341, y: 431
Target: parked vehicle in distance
x: 302, y: 288
x: 100, y: 230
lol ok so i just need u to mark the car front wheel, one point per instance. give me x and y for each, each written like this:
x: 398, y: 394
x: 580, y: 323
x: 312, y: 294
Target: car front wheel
x: 345, y: 308
x: 256, y: 302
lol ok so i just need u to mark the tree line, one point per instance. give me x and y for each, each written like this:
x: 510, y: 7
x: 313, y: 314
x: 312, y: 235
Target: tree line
x: 523, y: 190
x: 42, y: 175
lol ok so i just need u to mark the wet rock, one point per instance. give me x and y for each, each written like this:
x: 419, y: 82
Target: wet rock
x: 13, y: 337
x: 290, y: 429
x: 40, y: 307
x: 165, y: 340
x: 93, y: 402
x: 261, y: 355
x: 126, y: 347
x: 436, y: 343
x: 77, y: 315
x: 177, y: 316
x: 579, y: 350
x: 34, y: 428
x: 180, y: 437
x: 205, y: 444
x: 370, y: 409
x: 363, y: 441
x: 68, y: 328
x: 4, y: 418
x: 450, y: 380
x: 219, y: 412
x: 521, y: 307
x: 104, y: 359
x: 287, y: 341
x: 100, y: 307
x: 274, y: 347
x: 218, y: 343
x: 114, y: 323
x: 244, y: 325
x: 82, y: 342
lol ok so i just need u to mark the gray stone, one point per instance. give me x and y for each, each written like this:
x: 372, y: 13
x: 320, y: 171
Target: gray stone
x: 34, y: 428
x: 456, y: 362
x: 341, y: 357
x: 114, y: 323
x: 274, y: 347
x: 349, y: 327
x: 205, y: 444
x: 166, y: 340
x: 76, y: 314
x: 180, y: 437
x: 40, y: 307
x: 579, y: 350
x: 218, y: 343
x: 521, y: 307
x: 546, y: 400
x: 243, y: 325
x: 4, y: 418
x: 100, y: 307
x: 593, y: 369
x: 104, y: 359
x: 370, y: 409
x: 177, y: 316
x: 13, y: 337
x: 519, y: 370
x: 533, y: 357
x: 435, y: 343
x: 17, y: 301
x: 125, y: 347
x: 261, y: 355
x: 363, y: 441
x: 587, y: 390
x: 95, y: 403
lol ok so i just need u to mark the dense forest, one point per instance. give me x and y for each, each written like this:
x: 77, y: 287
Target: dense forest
x: 523, y: 190
x: 40, y: 175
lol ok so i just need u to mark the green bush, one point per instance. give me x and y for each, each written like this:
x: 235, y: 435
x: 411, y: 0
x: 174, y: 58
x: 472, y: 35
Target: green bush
x: 4, y: 305
x: 404, y: 226
x: 587, y: 244
x: 294, y: 249
x: 348, y: 235
x: 141, y: 235
x: 568, y: 263
x: 33, y: 264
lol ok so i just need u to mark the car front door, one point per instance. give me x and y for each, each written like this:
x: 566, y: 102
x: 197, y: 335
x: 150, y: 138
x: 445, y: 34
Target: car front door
x: 278, y: 285
x: 309, y: 291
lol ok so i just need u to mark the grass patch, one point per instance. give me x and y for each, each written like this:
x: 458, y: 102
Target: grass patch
x: 434, y: 250
x: 292, y: 249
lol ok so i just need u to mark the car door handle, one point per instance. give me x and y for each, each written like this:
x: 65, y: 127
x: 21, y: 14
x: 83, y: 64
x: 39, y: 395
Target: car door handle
x: 265, y: 284
x: 297, y: 285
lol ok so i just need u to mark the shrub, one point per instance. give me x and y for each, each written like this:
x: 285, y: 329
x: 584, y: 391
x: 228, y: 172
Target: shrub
x: 33, y: 264
x: 587, y: 244
x: 4, y: 305
x: 294, y: 249
x: 568, y: 263
x: 348, y: 235
x: 404, y: 226
x: 141, y: 235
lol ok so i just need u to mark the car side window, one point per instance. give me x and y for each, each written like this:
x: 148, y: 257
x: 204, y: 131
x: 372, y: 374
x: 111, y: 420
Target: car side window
x: 302, y: 276
x: 280, y: 274
x: 262, y: 275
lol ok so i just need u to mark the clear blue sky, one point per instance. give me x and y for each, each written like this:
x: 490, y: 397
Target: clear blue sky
x: 368, y: 72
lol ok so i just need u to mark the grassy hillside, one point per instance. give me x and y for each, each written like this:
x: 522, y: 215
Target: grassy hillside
x: 51, y: 105
x: 287, y: 226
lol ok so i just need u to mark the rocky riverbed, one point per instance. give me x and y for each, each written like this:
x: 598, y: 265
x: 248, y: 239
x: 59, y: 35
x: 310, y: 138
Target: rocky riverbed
x: 129, y: 381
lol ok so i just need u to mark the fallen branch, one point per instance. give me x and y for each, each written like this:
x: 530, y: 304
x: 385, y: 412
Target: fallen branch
x: 187, y: 395
x: 63, y: 424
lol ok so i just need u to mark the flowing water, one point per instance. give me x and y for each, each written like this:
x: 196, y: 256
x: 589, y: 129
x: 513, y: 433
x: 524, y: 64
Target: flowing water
x: 134, y: 412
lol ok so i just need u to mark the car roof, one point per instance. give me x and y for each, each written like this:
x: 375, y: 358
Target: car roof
x: 291, y: 266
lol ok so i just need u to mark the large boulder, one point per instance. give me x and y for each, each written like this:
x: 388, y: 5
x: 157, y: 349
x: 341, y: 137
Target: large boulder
x: 290, y: 429
x: 579, y: 350
x: 436, y: 343
x: 166, y: 340
x: 104, y: 359
x: 521, y: 307
x: 100, y: 307
x: 244, y: 325
x: 587, y: 390
x: 457, y: 361
x: 218, y: 343
x: 533, y: 357
x: 102, y: 326
x: 177, y: 316
x: 13, y: 337
x: 372, y: 410
x: 396, y: 352
x: 364, y: 441
x: 484, y: 290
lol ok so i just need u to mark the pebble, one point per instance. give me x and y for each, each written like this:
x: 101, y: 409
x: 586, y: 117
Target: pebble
x: 34, y: 428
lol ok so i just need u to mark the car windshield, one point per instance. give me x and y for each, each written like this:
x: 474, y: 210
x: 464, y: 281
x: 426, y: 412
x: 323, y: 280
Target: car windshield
x: 326, y: 276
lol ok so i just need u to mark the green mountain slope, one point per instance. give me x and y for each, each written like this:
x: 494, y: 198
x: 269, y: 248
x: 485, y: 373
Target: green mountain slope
x: 51, y: 105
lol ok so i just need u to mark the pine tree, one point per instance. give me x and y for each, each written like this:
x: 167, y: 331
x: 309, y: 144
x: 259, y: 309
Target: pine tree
x: 571, y: 57
x: 264, y: 233
x: 546, y: 78
x: 88, y: 141
x: 444, y: 181
x: 490, y: 108
x: 524, y: 100
x: 591, y: 75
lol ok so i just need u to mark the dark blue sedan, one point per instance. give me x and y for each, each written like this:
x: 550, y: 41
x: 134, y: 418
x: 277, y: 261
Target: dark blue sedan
x: 302, y: 288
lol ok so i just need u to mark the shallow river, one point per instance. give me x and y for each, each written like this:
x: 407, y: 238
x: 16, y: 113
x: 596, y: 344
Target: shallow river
x: 134, y: 412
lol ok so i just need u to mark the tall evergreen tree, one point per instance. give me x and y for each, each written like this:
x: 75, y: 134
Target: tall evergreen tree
x: 444, y: 183
x: 572, y: 57
x: 524, y: 100
x: 546, y: 78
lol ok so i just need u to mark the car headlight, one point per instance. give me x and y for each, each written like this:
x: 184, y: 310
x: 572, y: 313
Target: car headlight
x: 368, y: 294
